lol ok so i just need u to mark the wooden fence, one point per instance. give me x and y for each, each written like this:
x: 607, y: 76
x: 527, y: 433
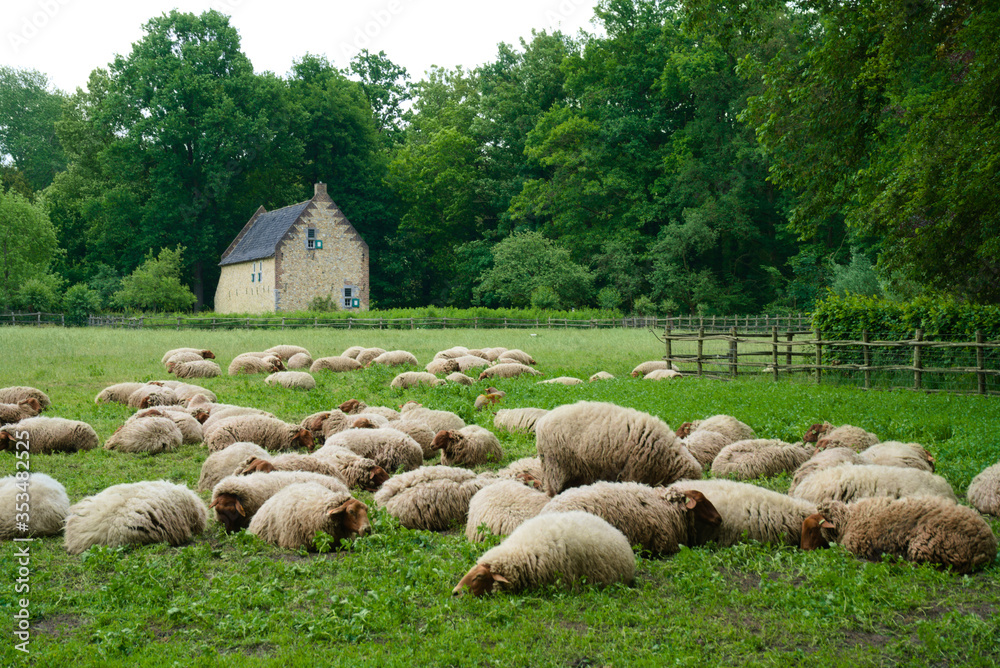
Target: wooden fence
x: 933, y: 366
x: 33, y: 319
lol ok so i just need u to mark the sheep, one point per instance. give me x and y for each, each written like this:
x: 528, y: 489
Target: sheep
x: 190, y: 428
x: 409, y: 379
x: 368, y: 354
x: 726, y: 425
x: 140, y: 513
x: 286, y: 352
x: 601, y: 375
x: 551, y: 548
x: 758, y: 458
x: 847, y: 436
x: 516, y: 355
x: 198, y: 369
x: 151, y: 434
x: 290, y: 461
x: 291, y: 518
x: 848, y: 482
x: 152, y: 394
x: 561, y: 380
x: 522, y: 420
x: 705, y: 445
x: 44, y: 501
x: 502, y: 507
x: 984, y: 490
x: 118, y: 393
x: 466, y: 362
x: 237, y: 498
x: 922, y: 529
x: 894, y: 453
x: 251, y: 364
x: 662, y: 374
x: 508, y: 370
x: 460, y: 378
x: 752, y: 512
x: 353, y: 406
x: 436, y: 420
x: 476, y: 352
x: 490, y: 397
x: 217, y: 416
x: 356, y: 470
x: 527, y: 469
x: 18, y: 393
x: 469, y: 446
x: 185, y: 392
x: 336, y: 422
x: 293, y: 380
x: 299, y: 362
x: 270, y: 433
x: 205, y: 354
x: 493, y: 353
x: 352, y: 352
x: 437, y: 366
x: 646, y: 368
x: 178, y: 358
x: 389, y: 448
x: 816, y: 431
x: 824, y: 459
x: 227, y: 462
x: 11, y: 413
x: 431, y: 498
x: 335, y: 364
x: 394, y: 358
x: 45, y: 435
x: 589, y: 441
x: 451, y: 353
x: 368, y: 421
x: 419, y: 432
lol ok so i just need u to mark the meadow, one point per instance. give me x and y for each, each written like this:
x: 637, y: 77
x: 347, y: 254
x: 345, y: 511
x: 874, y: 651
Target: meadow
x: 386, y: 599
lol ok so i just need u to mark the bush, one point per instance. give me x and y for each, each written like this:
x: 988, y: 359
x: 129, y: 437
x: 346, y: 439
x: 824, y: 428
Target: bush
x: 38, y: 294
x: 156, y: 285
x: 644, y: 306
x: 79, y: 302
x: 323, y: 304
x: 544, y: 297
x: 609, y: 298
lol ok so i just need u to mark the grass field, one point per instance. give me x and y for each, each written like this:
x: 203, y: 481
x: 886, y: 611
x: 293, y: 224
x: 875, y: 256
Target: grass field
x: 233, y: 600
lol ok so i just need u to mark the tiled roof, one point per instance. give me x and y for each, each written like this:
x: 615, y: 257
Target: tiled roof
x: 262, y: 238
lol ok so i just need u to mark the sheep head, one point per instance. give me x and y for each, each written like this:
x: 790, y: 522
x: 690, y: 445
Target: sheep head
x: 363, y: 423
x: 350, y: 519
x: 170, y: 366
x: 315, y: 422
x: 484, y: 400
x: 812, y: 532
x: 529, y: 480
x: 376, y: 478
x: 229, y: 510
x: 201, y: 415
x: 255, y: 465
x: 814, y: 432
x: 444, y: 440
x: 352, y: 406
x: 34, y: 405
x: 6, y: 441
x: 274, y: 364
x: 480, y: 580
x: 150, y: 412
x: 703, y: 509
x: 207, y: 354
x: 685, y: 430
x: 304, y: 438
x: 493, y: 390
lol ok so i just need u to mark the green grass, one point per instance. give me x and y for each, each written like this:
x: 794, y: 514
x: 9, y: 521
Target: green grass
x: 232, y: 600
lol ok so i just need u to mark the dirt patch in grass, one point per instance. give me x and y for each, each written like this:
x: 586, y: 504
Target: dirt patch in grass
x: 745, y: 582
x: 59, y: 625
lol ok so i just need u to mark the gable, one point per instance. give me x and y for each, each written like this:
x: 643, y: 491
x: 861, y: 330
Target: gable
x: 262, y: 238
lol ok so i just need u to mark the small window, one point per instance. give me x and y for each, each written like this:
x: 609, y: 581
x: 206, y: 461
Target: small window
x: 347, y: 292
x: 252, y: 276
x: 312, y: 243
x: 347, y: 302
x: 259, y: 279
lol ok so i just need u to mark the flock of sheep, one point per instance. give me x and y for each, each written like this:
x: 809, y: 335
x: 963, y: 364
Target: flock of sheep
x: 606, y: 477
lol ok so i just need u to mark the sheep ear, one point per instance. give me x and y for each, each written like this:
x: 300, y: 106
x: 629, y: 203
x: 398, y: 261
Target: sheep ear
x: 826, y: 524
x: 214, y: 503
x: 339, y: 509
x: 239, y: 508
x: 499, y: 578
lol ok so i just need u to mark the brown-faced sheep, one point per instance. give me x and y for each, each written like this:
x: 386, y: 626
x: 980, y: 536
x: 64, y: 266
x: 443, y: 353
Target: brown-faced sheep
x: 293, y: 380
x: 470, y: 446
x: 758, y: 458
x: 286, y: 352
x: 153, y: 394
x: 430, y: 497
x: 179, y: 358
x: 395, y: 358
x: 848, y: 482
x: 11, y: 413
x: 502, y: 507
x: 356, y: 470
x: 248, y: 363
x: 44, y: 498
x: 847, y: 436
x: 409, y: 379
x: 984, y: 490
x: 508, y: 370
x: 18, y: 393
x: 601, y: 375
x: 894, y: 453
x: 201, y: 352
x: 466, y: 362
x: 521, y: 420
x: 45, y: 435
x: 237, y: 498
x: 291, y: 518
x: 335, y: 364
x: 289, y: 461
x: 270, y: 433
x: 151, y: 435
x: 389, y: 448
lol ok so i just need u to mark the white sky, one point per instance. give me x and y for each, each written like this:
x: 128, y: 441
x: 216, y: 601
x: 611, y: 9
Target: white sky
x: 67, y: 39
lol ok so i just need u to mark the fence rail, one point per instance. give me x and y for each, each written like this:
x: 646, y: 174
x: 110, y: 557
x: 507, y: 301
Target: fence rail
x: 32, y: 319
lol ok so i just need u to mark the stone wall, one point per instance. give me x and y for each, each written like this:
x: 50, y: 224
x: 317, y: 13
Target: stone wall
x: 239, y: 293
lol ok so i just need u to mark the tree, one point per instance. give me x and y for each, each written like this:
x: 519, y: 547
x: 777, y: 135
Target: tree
x: 29, y: 110
x: 384, y: 85
x: 156, y: 285
x: 27, y: 243
x: 528, y: 266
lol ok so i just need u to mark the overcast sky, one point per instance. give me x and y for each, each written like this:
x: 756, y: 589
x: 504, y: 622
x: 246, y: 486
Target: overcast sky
x: 66, y: 39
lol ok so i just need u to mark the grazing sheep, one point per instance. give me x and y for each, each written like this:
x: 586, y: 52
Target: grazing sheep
x: 237, y: 498
x: 150, y: 434
x: 395, y: 358
x: 436, y: 420
x: 588, y: 441
x: 409, y: 379
x: 118, y: 393
x: 140, y: 513
x: 270, y: 433
x: 217, y: 416
x: 646, y: 367
x: 726, y: 425
x: 352, y: 352
x: 227, y: 462
x: 185, y: 392
x: 516, y: 355
x: 460, y: 378
x: 502, y: 507
x: 466, y: 362
x: 705, y: 445
x: 198, y: 369
x: 419, y: 432
x: 190, y: 428
x: 152, y: 395
x: 335, y: 364
x: 601, y: 375
x: 490, y: 397
x: 662, y: 374
x: 11, y: 413
x: 551, y: 548
x: 526, y: 469
x: 984, y: 490
x: 46, y: 505
x: 431, y: 498
x: 286, y: 352
x: 291, y: 518
x: 824, y: 459
x: 18, y: 393
x: 894, y: 453
x: 201, y: 352
x: 561, y: 380
x: 293, y: 380
x: 45, y: 435
x: 441, y: 365
x: 508, y: 370
x: 848, y: 483
x: 369, y: 354
x: 391, y: 449
x: 451, y: 353
x: 368, y: 421
x: 758, y: 458
x: 493, y: 353
x: 356, y: 470
x: 923, y: 529
x: 752, y: 512
x: 847, y: 436
x: 469, y: 446
x: 290, y: 461
x: 522, y: 420
x: 250, y: 364
x: 476, y: 352
x: 336, y: 422
x: 299, y: 362
x: 658, y: 519
x: 179, y: 358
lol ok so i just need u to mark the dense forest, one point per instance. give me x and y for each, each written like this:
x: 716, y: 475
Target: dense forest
x: 698, y: 156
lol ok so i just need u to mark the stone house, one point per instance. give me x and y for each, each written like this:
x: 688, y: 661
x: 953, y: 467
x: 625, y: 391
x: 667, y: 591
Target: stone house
x: 282, y: 259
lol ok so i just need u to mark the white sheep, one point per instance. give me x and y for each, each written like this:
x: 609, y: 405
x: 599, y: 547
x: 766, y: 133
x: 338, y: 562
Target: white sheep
x: 201, y: 352
x: 451, y: 353
x: 237, y: 498
x: 153, y: 394
x: 469, y: 446
x: 196, y: 369
x: 117, y: 393
x: 180, y: 358
x: 409, y: 379
x: 645, y: 368
x: 42, y: 501
x: 560, y: 547
x: 140, y: 513
x: 11, y: 413
x: 517, y: 355
x: 430, y: 497
x: 335, y: 364
x: 270, y: 433
x: 460, y: 378
x: 227, y: 462
x: 293, y: 380
x: 502, y: 507
x: 705, y: 445
x: 493, y: 353
x: 662, y: 374
x: 356, y: 470
x: 395, y: 358
x: 824, y: 459
x: 435, y: 419
x: 894, y: 453
x: 561, y: 380
x: 984, y: 490
x: 287, y: 352
x: 726, y: 425
x: 352, y: 352
x: 508, y: 370
x: 289, y: 461
x: 419, y: 432
x: 601, y: 375
x: 250, y: 363
x: 588, y: 441
x: 152, y: 435
x: 466, y: 362
x: 368, y: 354
x: 442, y: 365
x: 220, y: 414
x: 848, y: 482
x: 291, y: 518
x: 389, y: 448
x: 368, y: 421
x: 186, y: 391
x: 758, y: 458
x: 847, y: 436
x: 356, y: 407
x: 190, y: 428
x: 335, y: 422
x: 527, y: 469
x: 299, y: 362
x: 18, y: 393
x: 45, y: 435
x: 521, y: 420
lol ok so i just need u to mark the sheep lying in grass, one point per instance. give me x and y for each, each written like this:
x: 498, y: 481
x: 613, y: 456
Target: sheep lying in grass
x: 293, y: 380
x: 470, y: 446
x: 847, y: 436
x: 492, y: 354
x: 369, y: 354
x: 117, y: 393
x: 984, y: 491
x: 237, y: 498
x: 389, y: 448
x: 335, y: 364
x: 662, y: 374
x: 18, y: 393
x: 516, y: 355
x: 419, y: 432
x: 460, y: 378
x: 357, y: 407
x: 705, y: 446
x: 249, y: 363
x: 502, y: 507
x: 218, y: 415
x: 11, y: 413
x: 286, y: 352
x: 201, y: 352
x: 521, y: 420
x: 180, y: 358
x: 658, y: 519
x: 368, y: 421
x: 153, y: 511
x: 430, y: 497
x: 758, y: 458
x: 508, y: 370
x: 560, y: 547
x: 269, y: 433
x: 196, y: 369
x: 186, y: 391
x: 588, y: 441
x: 299, y: 362
x: 646, y: 368
x: 601, y: 375
x: 46, y: 505
x: 894, y: 453
x: 152, y: 435
x: 409, y: 379
x: 923, y: 529
x: 228, y: 462
x: 336, y: 422
x: 291, y: 518
x: 442, y: 365
x: 467, y: 362
x: 356, y: 470
x: 290, y: 461
x: 436, y: 420
x: 561, y: 380
x: 451, y: 353
x: 352, y: 352
x: 395, y: 358
x: 190, y: 428
x: 824, y: 459
x: 527, y: 469
x: 45, y: 435
x: 153, y: 394
x: 727, y: 425
x: 848, y: 483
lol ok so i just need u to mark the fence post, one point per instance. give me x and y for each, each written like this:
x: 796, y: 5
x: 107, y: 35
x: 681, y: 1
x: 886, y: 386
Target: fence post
x: 62, y: 318
x: 917, y: 361
x: 774, y: 351
x: 411, y: 321
x: 867, y: 352
x: 980, y: 362
x: 701, y: 346
x: 734, y: 368
x: 39, y: 317
x: 282, y: 323
x: 669, y: 351
x: 819, y: 356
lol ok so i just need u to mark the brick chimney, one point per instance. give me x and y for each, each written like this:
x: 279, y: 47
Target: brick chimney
x: 320, y: 190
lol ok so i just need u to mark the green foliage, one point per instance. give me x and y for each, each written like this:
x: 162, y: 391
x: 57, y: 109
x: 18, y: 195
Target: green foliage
x: 325, y: 304
x: 856, y: 278
x: 81, y: 301
x: 105, y: 282
x: 156, y: 285
x: 39, y: 294
x: 29, y: 111
x: 27, y: 244
x: 644, y: 306
x: 544, y: 297
x: 609, y: 298
x: 941, y: 319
